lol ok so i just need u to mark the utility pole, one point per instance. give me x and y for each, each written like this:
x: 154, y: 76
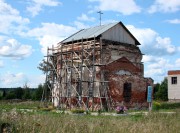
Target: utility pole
x: 100, y: 13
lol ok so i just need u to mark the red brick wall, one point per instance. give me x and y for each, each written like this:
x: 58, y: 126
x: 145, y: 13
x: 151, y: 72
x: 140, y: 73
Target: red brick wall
x: 116, y: 82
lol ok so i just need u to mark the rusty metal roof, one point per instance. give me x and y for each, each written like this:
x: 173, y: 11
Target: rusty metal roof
x: 173, y: 72
x: 89, y: 33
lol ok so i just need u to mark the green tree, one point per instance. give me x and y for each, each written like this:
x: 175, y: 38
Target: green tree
x: 10, y: 95
x: 156, y: 89
x: 162, y: 93
x: 4, y: 94
x: 19, y: 93
x: 38, y: 92
x: 27, y: 93
x: 1, y: 93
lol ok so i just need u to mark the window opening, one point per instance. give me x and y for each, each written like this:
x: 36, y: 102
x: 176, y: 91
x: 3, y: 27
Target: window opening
x: 173, y: 80
x: 127, y: 92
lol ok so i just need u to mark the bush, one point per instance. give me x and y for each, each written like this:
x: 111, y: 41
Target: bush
x: 77, y: 111
x: 10, y: 95
x: 1, y: 97
x: 156, y: 105
x: 27, y: 94
x: 170, y: 105
x: 19, y: 93
x: 49, y: 108
x: 38, y: 93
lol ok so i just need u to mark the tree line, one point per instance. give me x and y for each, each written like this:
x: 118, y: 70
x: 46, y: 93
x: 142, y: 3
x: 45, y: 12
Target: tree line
x: 23, y: 93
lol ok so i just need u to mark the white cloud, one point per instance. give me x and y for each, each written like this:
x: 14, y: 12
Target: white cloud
x: 35, y: 80
x: 152, y: 43
x: 80, y: 25
x: 34, y: 10
x: 148, y: 58
x: 11, y: 21
x: 173, y: 21
x: 144, y: 35
x: 108, y: 21
x: 165, y: 6
x: 7, y: 9
x: 127, y: 7
x: 48, y: 41
x: 159, y: 63
x: 37, y: 5
x: 155, y: 62
x: 84, y: 17
x: 12, y: 80
x: 51, y: 29
x: 157, y: 67
x: 12, y: 48
x: 50, y: 34
x: 158, y: 52
x: 165, y: 45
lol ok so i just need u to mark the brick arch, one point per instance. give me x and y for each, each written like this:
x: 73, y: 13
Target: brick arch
x: 122, y: 64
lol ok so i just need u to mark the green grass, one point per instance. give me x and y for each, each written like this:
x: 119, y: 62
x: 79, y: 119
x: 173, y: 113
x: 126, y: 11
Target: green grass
x: 49, y: 121
x: 8, y: 105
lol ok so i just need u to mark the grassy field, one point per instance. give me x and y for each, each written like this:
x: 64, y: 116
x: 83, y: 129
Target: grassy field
x: 26, y: 117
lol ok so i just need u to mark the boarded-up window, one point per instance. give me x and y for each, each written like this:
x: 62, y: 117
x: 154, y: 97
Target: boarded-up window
x: 127, y: 92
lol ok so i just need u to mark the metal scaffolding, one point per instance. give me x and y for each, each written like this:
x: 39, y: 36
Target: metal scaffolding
x: 75, y: 77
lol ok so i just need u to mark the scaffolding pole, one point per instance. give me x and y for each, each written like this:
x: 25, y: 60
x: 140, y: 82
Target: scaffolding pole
x: 73, y: 77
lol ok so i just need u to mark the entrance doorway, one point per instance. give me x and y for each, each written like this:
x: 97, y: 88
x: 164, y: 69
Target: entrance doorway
x: 127, y: 92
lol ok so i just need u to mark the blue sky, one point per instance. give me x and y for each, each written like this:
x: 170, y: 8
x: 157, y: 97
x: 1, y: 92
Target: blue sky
x: 27, y: 27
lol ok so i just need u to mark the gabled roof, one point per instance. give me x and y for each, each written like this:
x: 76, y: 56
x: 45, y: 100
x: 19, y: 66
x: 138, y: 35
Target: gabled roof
x: 95, y: 32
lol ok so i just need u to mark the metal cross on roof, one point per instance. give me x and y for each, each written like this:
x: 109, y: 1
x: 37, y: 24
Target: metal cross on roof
x: 100, y: 13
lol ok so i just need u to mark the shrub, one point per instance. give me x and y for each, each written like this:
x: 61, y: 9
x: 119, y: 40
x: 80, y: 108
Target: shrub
x: 1, y: 97
x: 48, y: 108
x: 88, y: 112
x: 156, y: 105
x: 170, y: 105
x: 99, y: 111
x: 10, y: 95
x: 77, y: 111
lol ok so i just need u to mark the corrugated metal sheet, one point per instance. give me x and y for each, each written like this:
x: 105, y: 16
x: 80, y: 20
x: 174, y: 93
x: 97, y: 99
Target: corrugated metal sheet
x: 89, y: 33
x: 95, y: 32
